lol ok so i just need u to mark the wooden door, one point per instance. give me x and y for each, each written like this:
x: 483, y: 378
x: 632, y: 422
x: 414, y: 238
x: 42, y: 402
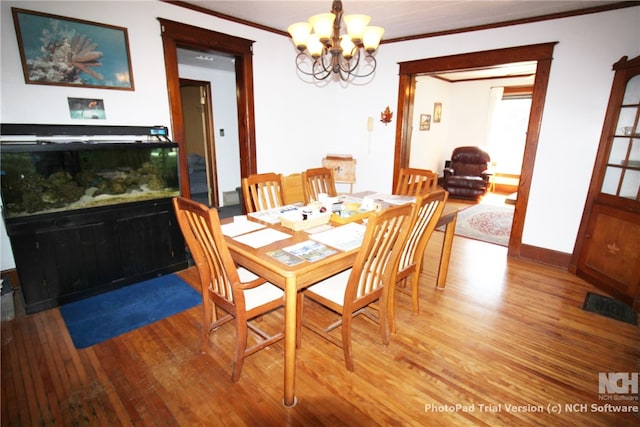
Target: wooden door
x: 607, y: 251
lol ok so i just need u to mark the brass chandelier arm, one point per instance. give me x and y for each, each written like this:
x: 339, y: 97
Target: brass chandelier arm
x: 321, y: 70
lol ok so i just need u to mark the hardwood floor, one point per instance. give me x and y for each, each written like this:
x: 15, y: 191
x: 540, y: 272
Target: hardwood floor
x: 503, y: 333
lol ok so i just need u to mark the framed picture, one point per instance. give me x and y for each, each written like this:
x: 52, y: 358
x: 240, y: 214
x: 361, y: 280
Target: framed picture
x: 69, y: 52
x: 437, y: 112
x: 425, y: 121
x: 86, y: 108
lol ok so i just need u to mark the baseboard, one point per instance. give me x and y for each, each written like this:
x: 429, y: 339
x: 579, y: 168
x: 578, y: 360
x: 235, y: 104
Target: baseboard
x: 545, y: 256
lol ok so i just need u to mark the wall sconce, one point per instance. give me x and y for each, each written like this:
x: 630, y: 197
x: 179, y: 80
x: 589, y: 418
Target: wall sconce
x: 386, y: 116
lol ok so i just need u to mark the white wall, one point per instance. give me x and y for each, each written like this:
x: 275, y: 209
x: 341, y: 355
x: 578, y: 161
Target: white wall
x: 298, y: 123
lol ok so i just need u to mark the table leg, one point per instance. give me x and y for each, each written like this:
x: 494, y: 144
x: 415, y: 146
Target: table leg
x: 447, y: 243
x: 291, y: 292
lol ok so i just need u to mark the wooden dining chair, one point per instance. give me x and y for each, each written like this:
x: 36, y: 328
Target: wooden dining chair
x: 318, y: 180
x: 293, y: 189
x: 352, y: 291
x: 262, y: 191
x: 429, y: 209
x: 416, y: 182
x: 237, y: 291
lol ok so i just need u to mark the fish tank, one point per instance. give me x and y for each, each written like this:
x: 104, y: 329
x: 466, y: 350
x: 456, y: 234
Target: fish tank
x: 42, y: 174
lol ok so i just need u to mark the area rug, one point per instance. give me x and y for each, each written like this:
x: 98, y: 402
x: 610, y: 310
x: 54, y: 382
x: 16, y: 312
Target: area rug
x: 610, y: 307
x: 486, y: 222
x: 96, y: 319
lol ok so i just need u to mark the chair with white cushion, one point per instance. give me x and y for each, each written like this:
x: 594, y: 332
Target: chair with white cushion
x: 240, y: 293
x: 352, y: 292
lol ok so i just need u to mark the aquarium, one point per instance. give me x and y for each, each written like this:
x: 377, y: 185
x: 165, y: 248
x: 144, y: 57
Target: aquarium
x: 40, y: 177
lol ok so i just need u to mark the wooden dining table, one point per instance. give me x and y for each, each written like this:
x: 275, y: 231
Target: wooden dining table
x: 293, y: 278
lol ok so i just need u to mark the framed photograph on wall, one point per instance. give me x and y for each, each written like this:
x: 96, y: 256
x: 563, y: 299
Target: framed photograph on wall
x: 425, y: 121
x: 55, y: 50
x: 437, y: 112
x: 85, y: 108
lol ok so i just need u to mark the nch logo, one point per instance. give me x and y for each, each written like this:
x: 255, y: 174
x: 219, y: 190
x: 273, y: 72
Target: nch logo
x: 618, y: 382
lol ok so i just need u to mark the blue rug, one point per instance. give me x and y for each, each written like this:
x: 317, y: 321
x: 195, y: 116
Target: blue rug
x: 101, y: 317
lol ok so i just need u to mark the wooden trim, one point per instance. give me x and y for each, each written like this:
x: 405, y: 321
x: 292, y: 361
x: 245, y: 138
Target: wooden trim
x: 481, y: 59
x: 542, y: 53
x: 175, y: 34
x: 545, y: 256
x: 548, y: 17
x: 226, y: 17
x: 517, y: 90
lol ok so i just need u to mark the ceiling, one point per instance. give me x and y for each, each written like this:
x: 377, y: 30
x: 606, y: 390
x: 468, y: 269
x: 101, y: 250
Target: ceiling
x: 400, y: 19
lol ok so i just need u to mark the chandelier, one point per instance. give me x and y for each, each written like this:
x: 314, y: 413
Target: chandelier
x: 326, y: 52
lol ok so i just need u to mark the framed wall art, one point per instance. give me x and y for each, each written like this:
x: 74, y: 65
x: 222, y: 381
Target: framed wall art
x: 55, y: 50
x: 437, y: 112
x: 84, y: 108
x: 425, y: 121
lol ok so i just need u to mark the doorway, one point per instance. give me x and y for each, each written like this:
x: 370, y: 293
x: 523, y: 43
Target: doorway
x: 199, y: 141
x: 541, y: 53
x: 176, y: 35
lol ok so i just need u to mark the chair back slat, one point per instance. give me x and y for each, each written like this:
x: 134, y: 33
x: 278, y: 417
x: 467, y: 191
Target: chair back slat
x: 416, y: 182
x: 262, y: 191
x: 318, y: 180
x: 377, y: 261
x: 429, y: 211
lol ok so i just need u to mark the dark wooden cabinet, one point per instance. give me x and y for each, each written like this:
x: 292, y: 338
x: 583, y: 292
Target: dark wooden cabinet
x: 63, y: 257
x: 607, y: 251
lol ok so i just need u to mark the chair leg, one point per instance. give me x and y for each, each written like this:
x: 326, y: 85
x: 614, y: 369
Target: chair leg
x: 300, y: 305
x: 415, y: 298
x: 241, y: 345
x: 346, y: 340
x: 207, y: 309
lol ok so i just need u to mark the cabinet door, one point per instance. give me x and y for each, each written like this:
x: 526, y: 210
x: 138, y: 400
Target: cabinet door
x: 612, y: 252
x: 79, y: 258
x: 149, y: 241
x: 608, y: 244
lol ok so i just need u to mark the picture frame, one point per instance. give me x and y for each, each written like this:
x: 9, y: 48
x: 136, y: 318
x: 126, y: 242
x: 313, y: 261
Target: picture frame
x: 437, y: 112
x: 425, y: 121
x: 86, y: 108
x: 61, y: 51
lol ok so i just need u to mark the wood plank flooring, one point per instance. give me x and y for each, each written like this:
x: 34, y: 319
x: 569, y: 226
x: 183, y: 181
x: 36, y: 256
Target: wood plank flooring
x: 504, y: 333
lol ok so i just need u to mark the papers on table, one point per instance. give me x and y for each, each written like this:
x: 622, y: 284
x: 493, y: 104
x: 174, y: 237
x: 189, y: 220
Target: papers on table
x: 285, y: 257
x: 393, y: 199
x: 345, y: 237
x: 263, y: 237
x: 310, y: 250
x: 237, y: 228
x: 272, y: 216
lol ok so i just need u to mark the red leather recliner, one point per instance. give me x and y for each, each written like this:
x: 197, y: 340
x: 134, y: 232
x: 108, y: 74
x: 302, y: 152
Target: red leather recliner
x: 467, y: 176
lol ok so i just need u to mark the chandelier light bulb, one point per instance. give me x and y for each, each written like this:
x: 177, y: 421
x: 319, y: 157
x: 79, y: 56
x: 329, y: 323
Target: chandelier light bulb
x: 323, y: 25
x: 347, y: 46
x: 356, y: 26
x: 371, y: 39
x: 300, y: 34
x: 315, y: 46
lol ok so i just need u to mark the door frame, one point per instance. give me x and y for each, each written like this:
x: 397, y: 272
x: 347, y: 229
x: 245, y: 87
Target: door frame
x: 174, y: 35
x: 542, y: 53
